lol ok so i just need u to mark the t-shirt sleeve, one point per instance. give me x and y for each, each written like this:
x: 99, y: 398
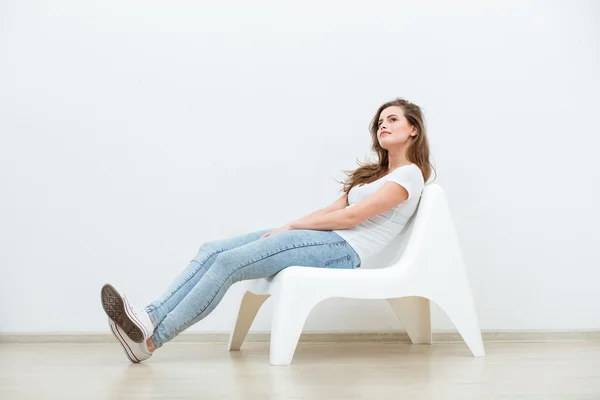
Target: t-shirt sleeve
x: 410, y: 178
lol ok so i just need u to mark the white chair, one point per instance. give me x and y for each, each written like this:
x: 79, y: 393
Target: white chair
x: 423, y: 263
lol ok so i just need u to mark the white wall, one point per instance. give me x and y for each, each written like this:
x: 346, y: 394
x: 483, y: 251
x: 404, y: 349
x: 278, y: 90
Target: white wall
x: 131, y: 132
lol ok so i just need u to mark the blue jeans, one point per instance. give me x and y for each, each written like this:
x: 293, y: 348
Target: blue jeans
x: 219, y: 264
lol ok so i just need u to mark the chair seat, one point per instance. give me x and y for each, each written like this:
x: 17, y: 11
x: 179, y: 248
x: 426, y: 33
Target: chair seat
x: 352, y: 283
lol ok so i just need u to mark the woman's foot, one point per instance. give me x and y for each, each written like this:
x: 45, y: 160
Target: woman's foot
x: 135, y: 352
x: 135, y: 322
x: 150, y: 345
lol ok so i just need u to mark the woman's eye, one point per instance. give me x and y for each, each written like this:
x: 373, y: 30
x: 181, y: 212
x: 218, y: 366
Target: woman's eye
x: 392, y: 119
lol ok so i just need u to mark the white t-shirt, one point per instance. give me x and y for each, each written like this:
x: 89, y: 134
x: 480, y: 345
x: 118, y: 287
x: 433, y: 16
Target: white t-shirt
x: 373, y: 234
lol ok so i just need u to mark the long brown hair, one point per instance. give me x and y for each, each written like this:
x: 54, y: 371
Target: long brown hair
x: 417, y: 152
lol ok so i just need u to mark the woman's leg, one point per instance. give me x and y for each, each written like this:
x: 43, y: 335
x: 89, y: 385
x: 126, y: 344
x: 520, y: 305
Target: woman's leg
x: 257, y: 259
x: 189, y: 277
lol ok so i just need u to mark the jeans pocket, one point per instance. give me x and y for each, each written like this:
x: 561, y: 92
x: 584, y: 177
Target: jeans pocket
x: 342, y: 262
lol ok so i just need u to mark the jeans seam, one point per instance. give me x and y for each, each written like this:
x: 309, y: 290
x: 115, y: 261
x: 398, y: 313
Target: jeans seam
x: 346, y: 257
x: 201, y: 264
x: 236, y: 270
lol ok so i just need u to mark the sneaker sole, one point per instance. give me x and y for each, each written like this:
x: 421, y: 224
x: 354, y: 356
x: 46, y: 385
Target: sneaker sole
x: 114, y: 307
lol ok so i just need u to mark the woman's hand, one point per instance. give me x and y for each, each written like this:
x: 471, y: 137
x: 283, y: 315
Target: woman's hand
x: 282, y: 229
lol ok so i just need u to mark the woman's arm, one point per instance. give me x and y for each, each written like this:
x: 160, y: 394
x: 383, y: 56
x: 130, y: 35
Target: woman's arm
x: 339, y: 219
x: 317, y: 219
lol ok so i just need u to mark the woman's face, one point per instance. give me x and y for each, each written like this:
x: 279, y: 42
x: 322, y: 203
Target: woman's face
x: 393, y: 129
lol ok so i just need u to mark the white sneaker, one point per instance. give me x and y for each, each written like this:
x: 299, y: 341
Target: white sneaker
x: 135, y: 352
x: 135, y: 322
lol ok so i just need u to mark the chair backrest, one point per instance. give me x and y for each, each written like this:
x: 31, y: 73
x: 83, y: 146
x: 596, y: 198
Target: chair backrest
x: 406, y: 243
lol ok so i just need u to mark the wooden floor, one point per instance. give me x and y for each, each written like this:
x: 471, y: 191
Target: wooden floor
x: 318, y: 371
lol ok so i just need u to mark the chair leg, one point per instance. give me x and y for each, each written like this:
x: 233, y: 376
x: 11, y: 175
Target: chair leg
x: 460, y: 308
x: 249, y: 307
x: 289, y: 315
x: 415, y: 314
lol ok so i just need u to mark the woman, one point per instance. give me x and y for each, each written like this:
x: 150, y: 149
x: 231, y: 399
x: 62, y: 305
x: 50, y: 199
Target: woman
x: 378, y: 200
